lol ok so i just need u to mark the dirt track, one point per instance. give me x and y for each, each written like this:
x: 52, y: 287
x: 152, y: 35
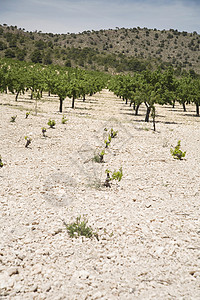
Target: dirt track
x: 148, y: 223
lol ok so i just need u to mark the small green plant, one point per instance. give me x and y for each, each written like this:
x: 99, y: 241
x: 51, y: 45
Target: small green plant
x: 13, y: 118
x: 113, y: 133
x: 27, y: 114
x: 64, y: 120
x: 80, y: 228
x: 116, y: 175
x: 108, y: 178
x: 108, y: 141
x: 44, y: 130
x: 99, y: 157
x: 51, y: 123
x: 176, y: 152
x: 1, y: 163
x: 28, y: 141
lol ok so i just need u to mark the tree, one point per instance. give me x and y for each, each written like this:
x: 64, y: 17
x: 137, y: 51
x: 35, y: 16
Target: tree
x: 183, y: 90
x: 9, y: 53
x: 61, y: 88
x: 36, y: 56
x: 17, y: 80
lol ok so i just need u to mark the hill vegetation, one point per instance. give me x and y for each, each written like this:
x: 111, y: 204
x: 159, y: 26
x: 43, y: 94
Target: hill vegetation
x: 113, y: 50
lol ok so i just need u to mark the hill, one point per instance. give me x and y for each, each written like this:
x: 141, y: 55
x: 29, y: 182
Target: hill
x: 112, y: 50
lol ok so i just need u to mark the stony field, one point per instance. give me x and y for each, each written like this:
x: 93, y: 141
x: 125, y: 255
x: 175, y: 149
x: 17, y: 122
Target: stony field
x: 148, y: 224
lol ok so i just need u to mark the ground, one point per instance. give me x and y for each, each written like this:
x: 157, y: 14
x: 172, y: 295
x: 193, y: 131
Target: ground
x: 148, y: 223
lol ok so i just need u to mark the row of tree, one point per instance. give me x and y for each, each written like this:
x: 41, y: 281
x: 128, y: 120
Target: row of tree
x: 157, y: 87
x: 18, y: 77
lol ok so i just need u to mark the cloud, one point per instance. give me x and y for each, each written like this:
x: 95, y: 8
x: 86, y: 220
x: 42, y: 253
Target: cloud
x: 63, y: 16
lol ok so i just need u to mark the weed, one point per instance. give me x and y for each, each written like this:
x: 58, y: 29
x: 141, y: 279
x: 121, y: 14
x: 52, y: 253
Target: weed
x: 116, y: 175
x: 51, y: 123
x: 176, y: 152
x: 44, y: 130
x: 80, y: 228
x: 99, y: 157
x: 108, y: 141
x: 108, y: 178
x: 1, y: 163
x: 13, y: 118
x: 113, y: 133
x: 64, y: 120
x: 27, y: 114
x: 28, y: 141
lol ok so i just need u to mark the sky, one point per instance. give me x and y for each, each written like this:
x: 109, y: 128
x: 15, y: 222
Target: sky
x: 73, y: 16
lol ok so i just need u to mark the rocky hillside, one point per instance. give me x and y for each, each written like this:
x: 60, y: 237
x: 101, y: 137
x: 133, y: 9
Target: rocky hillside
x: 113, y: 50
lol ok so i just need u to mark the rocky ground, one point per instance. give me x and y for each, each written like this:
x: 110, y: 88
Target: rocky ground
x: 148, y: 223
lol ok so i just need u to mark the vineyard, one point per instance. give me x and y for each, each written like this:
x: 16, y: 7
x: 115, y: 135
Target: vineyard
x: 118, y: 152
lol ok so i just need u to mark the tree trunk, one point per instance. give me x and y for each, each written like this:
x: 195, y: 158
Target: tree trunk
x: 16, y: 97
x: 184, y: 107
x: 197, y: 109
x: 126, y: 101
x: 137, y: 109
x: 154, y: 125
x: 49, y: 94
x: 173, y: 104
x: 147, y: 113
x: 83, y: 98
x: 61, y: 105
x: 73, y: 101
x: 32, y: 94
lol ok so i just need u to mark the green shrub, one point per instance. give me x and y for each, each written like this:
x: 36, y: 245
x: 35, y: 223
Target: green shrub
x: 108, y: 178
x: 27, y: 114
x: 51, y: 123
x: 28, y: 141
x: 116, y: 175
x: 108, y: 141
x: 99, y: 157
x: 176, y: 152
x: 1, y: 163
x: 44, y: 130
x: 63, y: 120
x: 13, y: 118
x: 80, y: 228
x: 113, y: 133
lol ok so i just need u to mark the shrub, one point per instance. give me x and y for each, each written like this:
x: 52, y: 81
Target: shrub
x: 28, y: 141
x: 51, y: 123
x: 108, y: 178
x: 176, y: 152
x: 13, y: 118
x: 63, y: 120
x: 27, y: 114
x: 108, y: 141
x: 99, y: 157
x: 1, y: 163
x: 44, y: 130
x: 116, y: 175
x: 80, y: 228
x: 113, y: 133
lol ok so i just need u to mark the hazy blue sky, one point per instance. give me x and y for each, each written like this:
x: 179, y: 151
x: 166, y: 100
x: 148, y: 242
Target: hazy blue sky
x: 62, y: 16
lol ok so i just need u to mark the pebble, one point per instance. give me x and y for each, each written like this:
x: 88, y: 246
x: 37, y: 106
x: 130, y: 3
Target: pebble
x: 12, y: 271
